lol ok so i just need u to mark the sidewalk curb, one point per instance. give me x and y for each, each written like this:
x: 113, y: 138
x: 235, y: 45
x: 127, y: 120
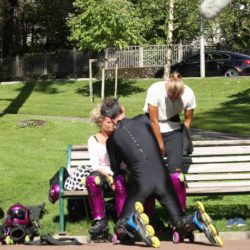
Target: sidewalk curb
x: 199, y: 237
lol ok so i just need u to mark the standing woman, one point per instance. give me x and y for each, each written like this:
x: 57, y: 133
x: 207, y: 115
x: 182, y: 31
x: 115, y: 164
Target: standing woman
x: 165, y: 100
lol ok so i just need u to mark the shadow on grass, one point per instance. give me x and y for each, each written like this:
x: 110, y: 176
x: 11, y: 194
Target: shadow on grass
x: 25, y: 92
x: 125, y: 88
x: 231, y: 117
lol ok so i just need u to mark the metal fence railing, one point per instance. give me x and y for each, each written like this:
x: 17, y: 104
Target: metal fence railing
x: 73, y: 63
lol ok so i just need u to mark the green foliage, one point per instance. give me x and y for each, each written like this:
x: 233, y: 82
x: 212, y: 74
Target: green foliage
x: 235, y: 26
x: 105, y: 23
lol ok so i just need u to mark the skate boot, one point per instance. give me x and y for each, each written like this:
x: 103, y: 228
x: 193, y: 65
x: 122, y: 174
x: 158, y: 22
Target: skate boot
x: 99, y: 232
x: 138, y: 225
x: 204, y: 224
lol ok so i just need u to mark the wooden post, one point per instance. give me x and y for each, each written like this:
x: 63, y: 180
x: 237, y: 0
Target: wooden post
x: 116, y: 78
x: 90, y: 80
x: 45, y: 64
x: 17, y: 64
x: 103, y: 84
x: 74, y: 61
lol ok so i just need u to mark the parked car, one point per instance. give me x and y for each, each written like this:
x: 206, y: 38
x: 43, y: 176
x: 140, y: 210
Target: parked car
x: 217, y: 63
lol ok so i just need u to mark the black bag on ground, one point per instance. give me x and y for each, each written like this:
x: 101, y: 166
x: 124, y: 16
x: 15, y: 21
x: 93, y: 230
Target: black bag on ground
x: 49, y: 240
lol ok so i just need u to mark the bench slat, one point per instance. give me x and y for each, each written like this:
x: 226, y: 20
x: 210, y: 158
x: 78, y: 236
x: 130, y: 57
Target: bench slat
x: 68, y: 193
x: 75, y: 163
x: 79, y: 155
x: 221, y: 150
x: 218, y: 190
x: 221, y: 142
x: 213, y: 159
x: 217, y: 167
x: 218, y: 184
x: 221, y: 177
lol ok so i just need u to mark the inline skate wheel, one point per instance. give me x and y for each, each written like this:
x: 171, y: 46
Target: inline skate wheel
x: 219, y: 241
x: 176, y: 237
x: 139, y: 207
x: 155, y: 242
x: 115, y: 239
x: 150, y: 230
x: 145, y: 218
x: 200, y: 206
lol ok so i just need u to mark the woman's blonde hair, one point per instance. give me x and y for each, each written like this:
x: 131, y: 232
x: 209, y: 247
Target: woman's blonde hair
x: 175, y: 86
x: 96, y: 115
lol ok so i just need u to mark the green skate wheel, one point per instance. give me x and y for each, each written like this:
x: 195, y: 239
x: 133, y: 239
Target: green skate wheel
x: 200, y: 206
x: 219, y: 241
x: 139, y: 207
x: 97, y: 180
x: 207, y: 218
x: 145, y: 218
x: 150, y: 230
x: 155, y: 242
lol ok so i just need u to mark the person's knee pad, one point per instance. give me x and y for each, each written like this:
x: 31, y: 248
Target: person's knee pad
x: 178, y: 181
x: 96, y: 199
x: 120, y: 193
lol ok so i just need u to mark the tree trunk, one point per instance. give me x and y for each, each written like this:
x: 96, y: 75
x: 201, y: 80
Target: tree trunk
x: 169, y: 39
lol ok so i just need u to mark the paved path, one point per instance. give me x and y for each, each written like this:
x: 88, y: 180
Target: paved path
x: 228, y: 245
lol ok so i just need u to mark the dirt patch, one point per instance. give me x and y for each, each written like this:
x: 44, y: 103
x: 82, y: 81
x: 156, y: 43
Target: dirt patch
x: 31, y: 124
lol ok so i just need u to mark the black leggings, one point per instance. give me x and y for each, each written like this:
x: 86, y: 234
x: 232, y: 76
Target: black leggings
x: 174, y: 147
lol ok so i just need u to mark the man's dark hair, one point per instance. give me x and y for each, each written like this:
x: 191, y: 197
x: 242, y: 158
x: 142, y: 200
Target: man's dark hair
x: 111, y: 108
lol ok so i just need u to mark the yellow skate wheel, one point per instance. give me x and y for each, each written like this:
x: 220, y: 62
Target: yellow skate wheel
x: 219, y: 241
x: 139, y: 207
x: 213, y: 229
x: 145, y: 218
x: 27, y: 239
x: 9, y: 241
x: 150, y: 230
x: 200, y: 206
x: 97, y: 180
x: 207, y: 218
x: 155, y: 242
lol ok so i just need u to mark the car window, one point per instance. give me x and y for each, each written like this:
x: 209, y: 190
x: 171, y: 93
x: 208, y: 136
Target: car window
x: 194, y: 59
x: 218, y: 57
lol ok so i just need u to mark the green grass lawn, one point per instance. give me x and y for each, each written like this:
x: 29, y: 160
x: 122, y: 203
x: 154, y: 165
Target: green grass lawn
x: 31, y: 155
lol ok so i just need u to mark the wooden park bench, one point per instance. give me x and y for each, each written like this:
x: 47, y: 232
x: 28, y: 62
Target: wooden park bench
x: 215, y: 167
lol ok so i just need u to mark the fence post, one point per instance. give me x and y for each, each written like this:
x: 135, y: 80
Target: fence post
x: 180, y: 52
x: 140, y: 56
x: 74, y: 61
x: 17, y: 65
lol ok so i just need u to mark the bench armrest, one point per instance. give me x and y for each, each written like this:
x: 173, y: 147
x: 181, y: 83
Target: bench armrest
x: 61, y: 182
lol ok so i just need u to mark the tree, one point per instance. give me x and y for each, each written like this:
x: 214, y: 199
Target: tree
x: 169, y: 38
x: 101, y: 24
